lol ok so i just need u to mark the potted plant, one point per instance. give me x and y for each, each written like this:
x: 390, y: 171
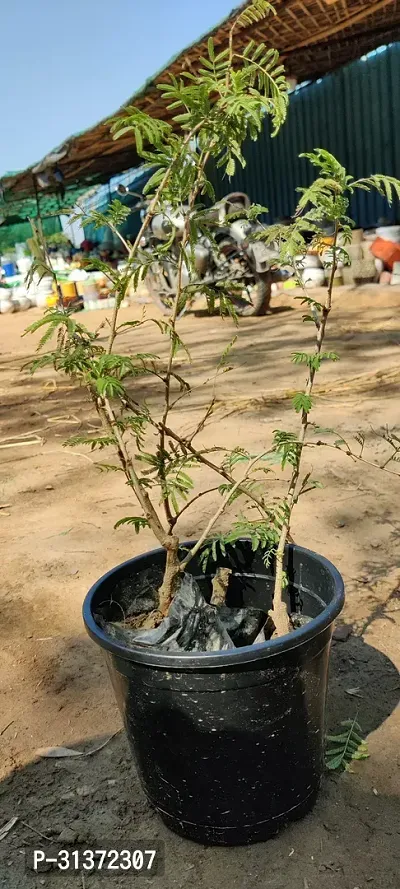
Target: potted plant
x: 217, y: 648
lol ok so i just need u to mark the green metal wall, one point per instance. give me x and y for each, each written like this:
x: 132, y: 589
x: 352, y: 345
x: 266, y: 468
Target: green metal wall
x: 354, y: 113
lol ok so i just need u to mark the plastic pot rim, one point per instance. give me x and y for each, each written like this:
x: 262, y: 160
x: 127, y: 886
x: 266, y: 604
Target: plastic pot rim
x: 149, y: 656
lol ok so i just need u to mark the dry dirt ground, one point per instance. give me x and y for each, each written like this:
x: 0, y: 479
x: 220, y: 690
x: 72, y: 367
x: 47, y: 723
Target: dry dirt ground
x: 57, y: 535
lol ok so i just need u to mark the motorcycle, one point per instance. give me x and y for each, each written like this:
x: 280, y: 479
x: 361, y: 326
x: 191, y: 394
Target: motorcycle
x: 230, y: 255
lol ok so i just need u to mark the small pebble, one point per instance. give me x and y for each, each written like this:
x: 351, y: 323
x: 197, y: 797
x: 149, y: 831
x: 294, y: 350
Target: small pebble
x: 85, y: 790
x: 68, y: 835
x: 49, y: 487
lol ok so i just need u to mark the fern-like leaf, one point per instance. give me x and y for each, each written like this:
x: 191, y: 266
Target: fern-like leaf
x: 387, y: 186
x: 144, y: 128
x: 237, y: 455
x: 256, y: 12
x: 100, y: 441
x: 108, y: 467
x: 302, y: 402
x: 138, y: 522
x: 226, y: 353
x: 345, y: 747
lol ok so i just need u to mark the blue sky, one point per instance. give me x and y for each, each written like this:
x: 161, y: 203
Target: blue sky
x: 64, y: 66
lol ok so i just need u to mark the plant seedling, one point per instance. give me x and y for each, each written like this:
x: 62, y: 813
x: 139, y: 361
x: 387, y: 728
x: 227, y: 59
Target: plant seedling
x: 214, y: 111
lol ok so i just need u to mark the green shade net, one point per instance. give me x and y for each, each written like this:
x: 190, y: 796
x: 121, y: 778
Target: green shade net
x: 49, y: 204
x: 15, y: 227
x: 20, y: 232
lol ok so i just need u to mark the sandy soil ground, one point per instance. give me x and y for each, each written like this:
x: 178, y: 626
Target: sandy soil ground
x: 57, y: 518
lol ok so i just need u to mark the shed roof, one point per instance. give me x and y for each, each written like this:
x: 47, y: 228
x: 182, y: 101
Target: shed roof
x: 313, y: 37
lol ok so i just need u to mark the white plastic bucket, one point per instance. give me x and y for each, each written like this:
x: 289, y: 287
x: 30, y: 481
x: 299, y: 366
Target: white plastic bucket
x: 313, y: 277
x: 6, y: 306
x: 308, y: 261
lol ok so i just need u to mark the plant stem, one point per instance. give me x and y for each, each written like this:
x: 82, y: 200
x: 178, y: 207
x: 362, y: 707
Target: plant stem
x: 349, y: 453
x: 144, y: 227
x: 172, y: 573
x: 221, y: 471
x: 279, y: 611
x: 167, y: 380
x: 106, y: 412
x: 193, y: 500
x: 118, y: 235
x: 219, y: 512
x: 169, y: 541
x: 166, y: 538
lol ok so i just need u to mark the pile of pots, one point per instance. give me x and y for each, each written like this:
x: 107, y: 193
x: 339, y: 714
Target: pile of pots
x: 372, y: 256
x: 385, y: 248
x: 14, y: 300
x: 314, y: 268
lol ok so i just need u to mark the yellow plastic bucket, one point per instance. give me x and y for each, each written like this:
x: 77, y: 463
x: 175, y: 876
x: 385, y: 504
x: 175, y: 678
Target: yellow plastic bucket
x: 68, y: 290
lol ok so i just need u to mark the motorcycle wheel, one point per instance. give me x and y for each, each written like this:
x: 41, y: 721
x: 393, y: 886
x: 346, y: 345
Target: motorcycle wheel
x: 162, y: 294
x: 259, y: 299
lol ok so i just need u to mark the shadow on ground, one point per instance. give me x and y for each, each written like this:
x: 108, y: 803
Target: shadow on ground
x: 347, y: 841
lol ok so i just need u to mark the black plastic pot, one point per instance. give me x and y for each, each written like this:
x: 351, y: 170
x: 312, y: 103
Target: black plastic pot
x: 229, y: 744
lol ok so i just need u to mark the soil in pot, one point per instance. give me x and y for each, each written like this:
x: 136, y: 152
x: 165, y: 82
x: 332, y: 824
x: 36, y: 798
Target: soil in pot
x: 228, y: 743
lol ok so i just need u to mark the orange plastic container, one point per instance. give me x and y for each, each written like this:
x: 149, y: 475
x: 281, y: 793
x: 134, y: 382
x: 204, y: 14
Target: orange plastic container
x: 388, y: 251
